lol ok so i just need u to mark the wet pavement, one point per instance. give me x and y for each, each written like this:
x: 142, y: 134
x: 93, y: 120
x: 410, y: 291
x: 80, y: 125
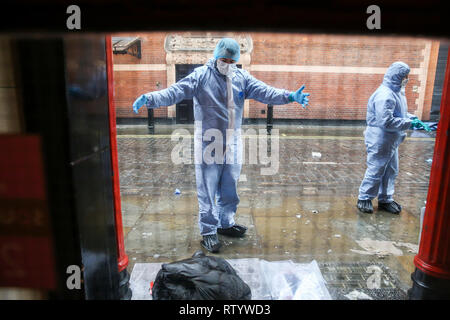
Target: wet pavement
x: 306, y: 211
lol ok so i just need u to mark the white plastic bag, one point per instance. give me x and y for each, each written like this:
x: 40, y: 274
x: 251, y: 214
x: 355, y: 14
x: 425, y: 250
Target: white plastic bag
x: 291, y: 281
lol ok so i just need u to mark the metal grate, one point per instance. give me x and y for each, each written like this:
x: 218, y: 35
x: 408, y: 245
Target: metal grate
x: 343, y: 278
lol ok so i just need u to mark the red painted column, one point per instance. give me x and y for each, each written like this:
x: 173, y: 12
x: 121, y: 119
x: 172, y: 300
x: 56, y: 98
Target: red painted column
x: 433, y: 260
x: 122, y: 257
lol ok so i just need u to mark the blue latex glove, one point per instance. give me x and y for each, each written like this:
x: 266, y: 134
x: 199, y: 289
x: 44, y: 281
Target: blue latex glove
x: 142, y: 100
x: 300, y: 97
x: 416, y: 123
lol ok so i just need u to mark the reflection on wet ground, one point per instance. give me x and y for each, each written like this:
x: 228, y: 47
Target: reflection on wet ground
x: 305, y: 211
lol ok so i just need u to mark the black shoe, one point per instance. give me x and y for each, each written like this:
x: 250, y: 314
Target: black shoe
x: 234, y: 231
x: 389, y: 207
x: 211, y: 243
x: 365, y: 206
x: 399, y: 207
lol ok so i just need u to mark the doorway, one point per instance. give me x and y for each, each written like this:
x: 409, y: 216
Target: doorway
x: 185, y: 111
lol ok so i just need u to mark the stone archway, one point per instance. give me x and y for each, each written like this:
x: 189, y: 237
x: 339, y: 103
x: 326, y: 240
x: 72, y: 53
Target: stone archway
x: 197, y: 48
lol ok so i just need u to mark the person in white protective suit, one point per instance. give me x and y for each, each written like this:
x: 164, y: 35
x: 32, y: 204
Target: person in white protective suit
x: 387, y: 120
x: 218, y: 90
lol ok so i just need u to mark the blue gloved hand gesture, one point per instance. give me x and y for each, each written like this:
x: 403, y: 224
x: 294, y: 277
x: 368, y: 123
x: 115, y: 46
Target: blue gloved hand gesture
x: 142, y: 100
x: 300, y: 97
x: 416, y: 123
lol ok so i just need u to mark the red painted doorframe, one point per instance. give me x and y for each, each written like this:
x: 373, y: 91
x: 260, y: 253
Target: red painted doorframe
x: 122, y: 257
x: 434, y: 250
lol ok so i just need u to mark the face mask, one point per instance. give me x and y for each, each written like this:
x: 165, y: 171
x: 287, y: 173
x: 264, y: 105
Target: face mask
x: 404, y: 82
x: 225, y: 68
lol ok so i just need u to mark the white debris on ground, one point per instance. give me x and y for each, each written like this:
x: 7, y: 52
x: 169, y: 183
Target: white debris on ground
x: 383, y: 248
x: 357, y: 295
x: 413, y: 248
x: 316, y: 155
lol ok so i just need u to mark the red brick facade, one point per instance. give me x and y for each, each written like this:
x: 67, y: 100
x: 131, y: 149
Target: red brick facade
x: 341, y: 72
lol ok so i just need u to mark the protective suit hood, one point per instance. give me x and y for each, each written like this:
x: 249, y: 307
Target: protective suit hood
x: 211, y: 63
x: 395, y: 74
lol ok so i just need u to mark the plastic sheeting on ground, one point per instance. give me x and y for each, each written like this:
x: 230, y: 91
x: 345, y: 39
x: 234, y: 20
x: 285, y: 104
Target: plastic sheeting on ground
x: 268, y: 280
x: 291, y: 281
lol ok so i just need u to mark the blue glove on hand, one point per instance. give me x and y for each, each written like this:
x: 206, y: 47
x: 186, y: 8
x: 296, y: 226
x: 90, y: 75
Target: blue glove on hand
x: 416, y: 123
x: 298, y: 96
x: 142, y: 100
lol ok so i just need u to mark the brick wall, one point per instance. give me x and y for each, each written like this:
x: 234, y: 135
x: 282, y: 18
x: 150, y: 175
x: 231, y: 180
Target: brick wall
x: 333, y: 95
x: 340, y: 72
x: 128, y: 85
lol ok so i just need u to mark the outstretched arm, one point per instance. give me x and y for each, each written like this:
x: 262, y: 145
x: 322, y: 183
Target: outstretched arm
x: 264, y: 93
x: 183, y: 89
x: 258, y: 90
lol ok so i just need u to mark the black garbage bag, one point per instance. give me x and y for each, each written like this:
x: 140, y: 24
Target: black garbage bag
x: 199, y: 278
